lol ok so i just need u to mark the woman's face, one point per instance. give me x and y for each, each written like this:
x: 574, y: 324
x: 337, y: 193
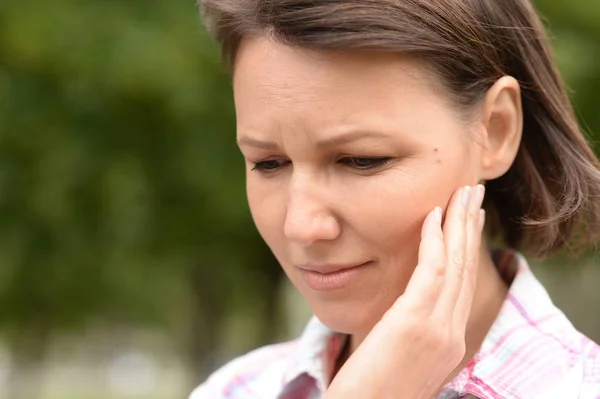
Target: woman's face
x: 346, y: 153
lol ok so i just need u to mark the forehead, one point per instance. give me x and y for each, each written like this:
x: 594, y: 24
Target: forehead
x: 277, y: 67
x: 279, y: 88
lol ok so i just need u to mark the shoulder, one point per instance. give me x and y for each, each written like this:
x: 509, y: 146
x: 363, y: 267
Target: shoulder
x: 534, y: 351
x: 579, y: 377
x: 572, y: 371
x: 257, y: 374
x: 591, y: 369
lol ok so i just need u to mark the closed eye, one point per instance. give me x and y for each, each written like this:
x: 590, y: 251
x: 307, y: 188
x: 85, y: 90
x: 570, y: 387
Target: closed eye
x: 357, y: 163
x: 270, y: 166
x: 364, y: 163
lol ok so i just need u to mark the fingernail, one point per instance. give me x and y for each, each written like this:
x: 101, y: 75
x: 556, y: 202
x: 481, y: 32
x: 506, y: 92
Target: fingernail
x: 438, y: 215
x: 481, y: 219
x: 465, y: 196
x: 481, y: 192
x: 478, y: 196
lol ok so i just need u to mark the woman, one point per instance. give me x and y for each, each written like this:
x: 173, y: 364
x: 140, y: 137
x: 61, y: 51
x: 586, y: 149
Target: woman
x: 371, y: 130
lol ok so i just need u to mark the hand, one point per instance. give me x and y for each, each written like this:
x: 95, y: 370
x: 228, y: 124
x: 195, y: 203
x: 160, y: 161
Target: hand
x: 420, y: 340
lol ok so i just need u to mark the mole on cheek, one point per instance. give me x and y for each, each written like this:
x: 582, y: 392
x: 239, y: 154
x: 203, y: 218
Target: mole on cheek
x: 437, y: 150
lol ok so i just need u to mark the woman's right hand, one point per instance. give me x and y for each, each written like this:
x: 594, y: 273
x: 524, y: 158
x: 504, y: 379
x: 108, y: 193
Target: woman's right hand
x: 420, y: 340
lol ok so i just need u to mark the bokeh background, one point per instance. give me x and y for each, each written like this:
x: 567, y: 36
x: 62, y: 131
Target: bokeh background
x: 129, y: 264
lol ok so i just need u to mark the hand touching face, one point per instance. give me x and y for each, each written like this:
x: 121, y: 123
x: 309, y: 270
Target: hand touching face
x: 346, y: 154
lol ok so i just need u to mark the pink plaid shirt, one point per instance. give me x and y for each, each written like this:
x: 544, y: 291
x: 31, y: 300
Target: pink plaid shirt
x: 532, y: 351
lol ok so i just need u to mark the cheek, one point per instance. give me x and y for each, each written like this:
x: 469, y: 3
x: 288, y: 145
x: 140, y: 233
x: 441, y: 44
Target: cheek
x: 388, y: 210
x: 267, y: 204
x: 384, y: 211
x: 389, y: 214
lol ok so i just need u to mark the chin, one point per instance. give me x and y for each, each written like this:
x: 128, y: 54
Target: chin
x: 348, y: 318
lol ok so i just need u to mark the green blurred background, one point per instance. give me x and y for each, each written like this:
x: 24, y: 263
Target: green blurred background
x: 129, y: 264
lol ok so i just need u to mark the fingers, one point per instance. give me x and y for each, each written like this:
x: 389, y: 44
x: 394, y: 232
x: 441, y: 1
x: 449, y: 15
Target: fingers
x: 443, y: 283
x: 455, y: 232
x: 427, y: 279
x: 462, y: 309
x: 463, y: 242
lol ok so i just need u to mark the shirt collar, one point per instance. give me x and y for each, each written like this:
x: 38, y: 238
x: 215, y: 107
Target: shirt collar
x: 502, y: 368
x: 315, y: 355
x: 530, y: 348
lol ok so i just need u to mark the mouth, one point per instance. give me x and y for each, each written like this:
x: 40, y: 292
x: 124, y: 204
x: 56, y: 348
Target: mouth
x: 332, y: 277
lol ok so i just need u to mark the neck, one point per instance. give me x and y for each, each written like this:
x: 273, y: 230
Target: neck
x: 490, y: 293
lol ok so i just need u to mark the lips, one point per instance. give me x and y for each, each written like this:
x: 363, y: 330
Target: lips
x: 327, y: 277
x: 329, y: 268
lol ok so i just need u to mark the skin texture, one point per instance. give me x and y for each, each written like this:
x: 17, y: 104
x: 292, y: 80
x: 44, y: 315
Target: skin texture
x: 306, y: 119
x: 424, y: 330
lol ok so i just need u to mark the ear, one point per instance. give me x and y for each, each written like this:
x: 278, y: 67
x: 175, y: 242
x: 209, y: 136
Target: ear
x: 502, y: 120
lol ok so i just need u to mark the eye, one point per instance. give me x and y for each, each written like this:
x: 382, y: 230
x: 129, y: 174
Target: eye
x: 364, y: 163
x: 270, y: 166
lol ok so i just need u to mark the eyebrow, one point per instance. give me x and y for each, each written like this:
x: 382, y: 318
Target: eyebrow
x: 324, y: 143
x: 251, y: 142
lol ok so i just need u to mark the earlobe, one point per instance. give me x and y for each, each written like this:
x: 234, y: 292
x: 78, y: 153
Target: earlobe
x: 502, y: 119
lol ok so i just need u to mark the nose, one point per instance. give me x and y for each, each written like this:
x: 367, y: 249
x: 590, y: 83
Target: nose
x: 309, y: 215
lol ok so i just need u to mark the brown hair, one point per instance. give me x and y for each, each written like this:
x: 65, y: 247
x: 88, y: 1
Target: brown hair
x: 549, y: 197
